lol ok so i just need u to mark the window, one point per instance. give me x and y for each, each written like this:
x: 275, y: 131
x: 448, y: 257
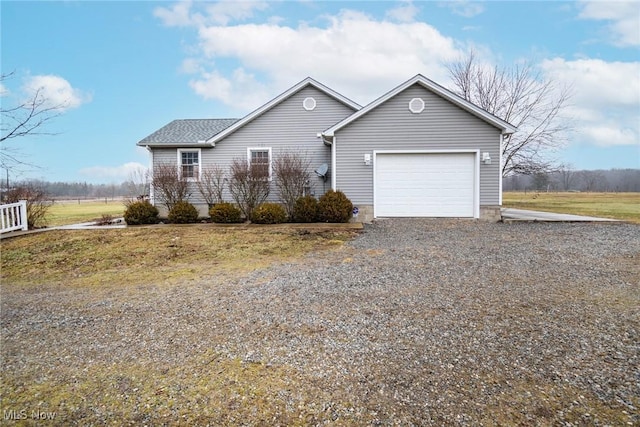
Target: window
x: 189, y: 161
x: 260, y: 158
x: 416, y: 105
x: 309, y: 103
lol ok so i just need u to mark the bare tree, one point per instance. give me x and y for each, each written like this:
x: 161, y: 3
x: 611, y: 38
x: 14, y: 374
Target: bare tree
x: 211, y: 184
x: 248, y: 184
x: 592, y: 180
x: 292, y: 176
x: 521, y: 96
x: 138, y: 184
x: 24, y: 119
x: 169, y: 185
x: 566, y: 177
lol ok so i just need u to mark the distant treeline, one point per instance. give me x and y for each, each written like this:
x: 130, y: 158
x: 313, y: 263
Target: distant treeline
x: 84, y: 190
x: 613, y: 180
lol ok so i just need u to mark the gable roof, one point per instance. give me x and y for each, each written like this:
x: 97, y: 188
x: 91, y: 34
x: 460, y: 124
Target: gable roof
x: 187, y: 132
x: 280, y: 98
x: 506, y: 128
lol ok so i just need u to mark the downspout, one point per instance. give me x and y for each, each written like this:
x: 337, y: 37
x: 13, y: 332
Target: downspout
x: 333, y: 164
x: 331, y: 140
x: 503, y: 137
x: 151, y: 192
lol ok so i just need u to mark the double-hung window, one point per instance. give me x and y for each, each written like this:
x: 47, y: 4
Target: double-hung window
x: 189, y: 162
x: 260, y: 159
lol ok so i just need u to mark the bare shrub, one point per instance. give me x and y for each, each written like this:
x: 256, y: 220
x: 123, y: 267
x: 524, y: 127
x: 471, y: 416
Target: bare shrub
x: 211, y: 184
x: 248, y: 184
x: 169, y: 185
x: 292, y: 175
x: 105, y: 219
x: 138, y: 183
x: 38, y: 203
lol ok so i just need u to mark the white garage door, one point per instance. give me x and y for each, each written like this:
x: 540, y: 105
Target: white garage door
x: 424, y: 184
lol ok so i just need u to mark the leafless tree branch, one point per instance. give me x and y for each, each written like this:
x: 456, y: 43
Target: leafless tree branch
x: 28, y: 118
x: 521, y: 96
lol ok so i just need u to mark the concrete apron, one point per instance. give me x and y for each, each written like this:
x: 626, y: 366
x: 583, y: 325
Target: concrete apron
x: 509, y: 214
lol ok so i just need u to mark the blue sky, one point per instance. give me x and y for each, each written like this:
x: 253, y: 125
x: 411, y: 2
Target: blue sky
x: 124, y: 69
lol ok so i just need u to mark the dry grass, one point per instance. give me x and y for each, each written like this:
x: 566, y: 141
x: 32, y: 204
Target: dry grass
x: 131, y: 256
x: 625, y: 206
x: 73, y: 212
x: 96, y: 265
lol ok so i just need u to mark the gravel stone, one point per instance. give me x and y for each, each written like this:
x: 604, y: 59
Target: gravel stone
x: 414, y: 321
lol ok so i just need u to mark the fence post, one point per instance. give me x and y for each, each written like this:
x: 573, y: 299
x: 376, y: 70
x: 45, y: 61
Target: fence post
x: 23, y: 215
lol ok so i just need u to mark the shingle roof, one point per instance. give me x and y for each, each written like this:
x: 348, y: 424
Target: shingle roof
x: 187, y: 131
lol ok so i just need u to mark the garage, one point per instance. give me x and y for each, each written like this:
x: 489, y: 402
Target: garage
x: 422, y: 184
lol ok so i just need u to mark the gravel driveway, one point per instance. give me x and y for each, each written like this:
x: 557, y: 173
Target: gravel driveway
x: 427, y: 322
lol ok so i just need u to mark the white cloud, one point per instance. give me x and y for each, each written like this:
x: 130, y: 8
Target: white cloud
x: 354, y: 54
x: 55, y: 91
x: 623, y: 18
x: 191, y: 66
x: 404, y: 13
x: 3, y: 90
x: 603, y: 135
x: 116, y: 173
x: 465, y: 8
x: 219, y: 13
x: 606, y: 98
x: 224, y: 12
x: 240, y: 89
x: 178, y: 15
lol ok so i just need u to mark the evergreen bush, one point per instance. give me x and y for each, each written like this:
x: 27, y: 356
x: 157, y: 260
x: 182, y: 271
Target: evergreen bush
x: 183, y: 213
x: 305, y: 209
x: 269, y: 213
x: 142, y: 212
x: 225, y: 213
x: 334, y: 206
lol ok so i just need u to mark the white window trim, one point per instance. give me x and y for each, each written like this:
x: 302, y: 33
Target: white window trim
x: 268, y: 149
x: 190, y: 150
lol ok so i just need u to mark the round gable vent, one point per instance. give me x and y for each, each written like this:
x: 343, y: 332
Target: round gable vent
x: 416, y: 105
x: 309, y: 103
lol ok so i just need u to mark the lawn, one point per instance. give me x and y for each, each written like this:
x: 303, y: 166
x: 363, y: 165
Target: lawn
x: 97, y: 265
x: 65, y: 212
x: 141, y: 255
x: 625, y: 206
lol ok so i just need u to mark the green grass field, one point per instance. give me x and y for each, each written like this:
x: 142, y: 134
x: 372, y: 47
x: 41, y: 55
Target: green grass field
x: 67, y: 212
x: 624, y: 206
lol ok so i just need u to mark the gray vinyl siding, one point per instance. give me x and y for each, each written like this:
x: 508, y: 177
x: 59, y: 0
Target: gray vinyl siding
x: 287, y: 127
x: 391, y: 126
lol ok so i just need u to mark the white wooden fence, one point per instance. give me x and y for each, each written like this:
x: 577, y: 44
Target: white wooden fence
x: 13, y: 216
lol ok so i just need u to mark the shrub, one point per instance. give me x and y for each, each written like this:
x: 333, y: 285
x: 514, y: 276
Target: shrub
x: 248, y: 184
x: 211, y: 184
x: 183, y: 213
x: 169, y: 184
x: 305, y: 209
x: 141, y: 213
x: 269, y: 213
x: 106, y: 219
x: 334, y: 206
x: 292, y: 176
x: 225, y: 213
